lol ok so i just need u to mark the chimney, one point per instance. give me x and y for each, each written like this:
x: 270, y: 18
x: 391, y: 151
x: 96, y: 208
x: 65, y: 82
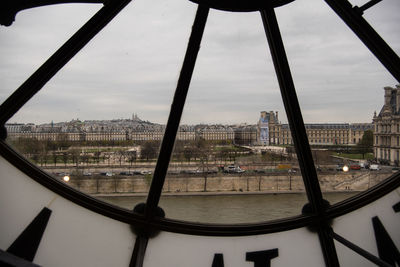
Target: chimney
x: 277, y: 116
x: 388, y: 92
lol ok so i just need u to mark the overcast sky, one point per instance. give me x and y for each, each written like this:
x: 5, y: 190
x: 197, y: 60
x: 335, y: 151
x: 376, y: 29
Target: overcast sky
x: 133, y: 64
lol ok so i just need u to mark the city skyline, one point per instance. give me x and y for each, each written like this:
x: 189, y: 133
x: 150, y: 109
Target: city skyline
x: 134, y: 63
x: 151, y: 122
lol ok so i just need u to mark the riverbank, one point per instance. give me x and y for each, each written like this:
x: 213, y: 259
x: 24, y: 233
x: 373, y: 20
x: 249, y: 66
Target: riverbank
x: 175, y: 194
x: 227, y: 185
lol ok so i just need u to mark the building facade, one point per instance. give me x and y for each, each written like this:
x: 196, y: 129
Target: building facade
x: 268, y: 131
x: 246, y: 135
x: 269, y: 128
x: 387, y: 128
x: 318, y: 133
x: 117, y: 130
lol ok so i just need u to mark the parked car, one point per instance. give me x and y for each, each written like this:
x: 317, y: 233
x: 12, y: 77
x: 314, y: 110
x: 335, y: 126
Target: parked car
x: 374, y: 167
x: 355, y: 167
x: 364, y: 165
x: 339, y: 167
x: 233, y: 169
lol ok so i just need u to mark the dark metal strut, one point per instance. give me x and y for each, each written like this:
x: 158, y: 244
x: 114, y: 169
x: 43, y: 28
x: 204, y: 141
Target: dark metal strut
x: 151, y: 208
x: 299, y: 134
x: 176, y: 111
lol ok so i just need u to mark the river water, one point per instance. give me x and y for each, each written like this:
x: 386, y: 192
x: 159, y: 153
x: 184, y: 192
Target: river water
x: 228, y: 208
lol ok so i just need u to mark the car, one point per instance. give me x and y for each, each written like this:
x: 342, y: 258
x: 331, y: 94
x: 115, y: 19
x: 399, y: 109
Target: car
x: 233, y: 169
x: 339, y: 167
x: 374, y: 167
x: 355, y: 167
x: 364, y: 165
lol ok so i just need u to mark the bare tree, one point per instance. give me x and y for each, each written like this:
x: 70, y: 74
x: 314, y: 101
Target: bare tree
x: 149, y: 150
x: 131, y: 157
x: 121, y: 155
x: 76, y: 156
x: 54, y: 156
x: 65, y: 157
x: 96, y: 157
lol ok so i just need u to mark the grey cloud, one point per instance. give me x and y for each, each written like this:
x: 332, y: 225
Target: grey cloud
x: 134, y: 63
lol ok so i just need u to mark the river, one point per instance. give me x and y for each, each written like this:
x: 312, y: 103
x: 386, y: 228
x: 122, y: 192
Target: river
x: 228, y: 208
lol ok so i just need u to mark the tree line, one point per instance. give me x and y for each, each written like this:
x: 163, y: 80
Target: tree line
x: 63, y: 151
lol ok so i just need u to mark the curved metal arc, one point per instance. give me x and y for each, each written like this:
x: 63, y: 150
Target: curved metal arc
x: 242, y: 5
x: 183, y: 227
x: 191, y: 228
x: 58, y: 60
x: 10, y: 8
x: 65, y: 191
x: 364, y: 198
x: 135, y: 219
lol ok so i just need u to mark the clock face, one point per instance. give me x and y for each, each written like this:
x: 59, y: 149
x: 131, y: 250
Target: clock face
x: 204, y: 180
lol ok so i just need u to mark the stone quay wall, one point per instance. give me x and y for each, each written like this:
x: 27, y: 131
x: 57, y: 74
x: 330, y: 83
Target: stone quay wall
x: 235, y: 183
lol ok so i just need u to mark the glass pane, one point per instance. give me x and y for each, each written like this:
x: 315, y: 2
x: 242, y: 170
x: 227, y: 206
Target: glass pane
x: 340, y: 87
x: 229, y: 159
x: 99, y: 122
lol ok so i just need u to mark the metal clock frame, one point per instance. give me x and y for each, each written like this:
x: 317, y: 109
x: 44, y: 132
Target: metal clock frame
x: 148, y: 220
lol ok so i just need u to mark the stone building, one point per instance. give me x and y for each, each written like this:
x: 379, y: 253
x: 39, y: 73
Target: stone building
x: 318, y: 133
x: 321, y: 134
x: 214, y: 132
x: 386, y: 128
x: 246, y: 135
x: 269, y: 128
